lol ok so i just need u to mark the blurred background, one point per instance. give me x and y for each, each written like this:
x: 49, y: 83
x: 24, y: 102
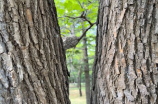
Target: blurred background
x: 78, y: 18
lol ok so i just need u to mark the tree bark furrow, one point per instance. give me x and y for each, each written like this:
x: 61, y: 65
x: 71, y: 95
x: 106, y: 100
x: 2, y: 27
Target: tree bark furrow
x: 125, y: 70
x: 32, y: 59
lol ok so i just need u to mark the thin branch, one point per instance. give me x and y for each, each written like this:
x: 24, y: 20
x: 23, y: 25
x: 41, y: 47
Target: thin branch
x: 80, y: 4
x: 72, y: 41
x: 85, y: 32
x: 87, y: 20
x: 83, y: 17
x: 73, y: 17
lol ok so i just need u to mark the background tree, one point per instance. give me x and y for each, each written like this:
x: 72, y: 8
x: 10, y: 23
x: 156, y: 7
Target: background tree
x: 73, y: 16
x: 125, y: 67
x: 79, y: 80
x: 32, y: 59
x: 86, y: 66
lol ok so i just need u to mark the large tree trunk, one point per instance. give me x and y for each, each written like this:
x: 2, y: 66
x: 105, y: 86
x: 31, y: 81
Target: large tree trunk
x: 32, y: 60
x: 126, y: 65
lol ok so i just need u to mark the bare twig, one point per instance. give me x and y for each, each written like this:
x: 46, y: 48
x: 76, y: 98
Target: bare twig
x: 82, y: 17
x: 80, y: 4
x: 85, y: 31
x: 73, y: 17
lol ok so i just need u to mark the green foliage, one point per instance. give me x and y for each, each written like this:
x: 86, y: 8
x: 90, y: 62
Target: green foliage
x: 70, y: 26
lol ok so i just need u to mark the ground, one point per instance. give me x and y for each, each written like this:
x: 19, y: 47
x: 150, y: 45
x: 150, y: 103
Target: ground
x: 74, y: 94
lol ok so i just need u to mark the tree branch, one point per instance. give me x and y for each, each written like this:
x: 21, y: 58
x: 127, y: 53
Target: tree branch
x: 82, y: 17
x: 85, y: 31
x: 72, y: 41
x: 80, y: 4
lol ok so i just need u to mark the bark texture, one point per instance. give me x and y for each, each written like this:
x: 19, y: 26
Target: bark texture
x: 32, y: 60
x: 126, y: 65
x: 70, y: 42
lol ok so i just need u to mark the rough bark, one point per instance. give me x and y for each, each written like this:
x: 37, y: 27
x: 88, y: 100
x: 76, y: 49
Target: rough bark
x: 70, y: 42
x: 125, y: 67
x: 86, y: 67
x: 32, y: 60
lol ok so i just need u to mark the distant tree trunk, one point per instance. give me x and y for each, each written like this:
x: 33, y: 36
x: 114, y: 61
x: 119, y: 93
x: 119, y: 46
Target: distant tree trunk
x: 72, y: 70
x: 126, y: 65
x: 86, y: 69
x: 32, y: 59
x: 79, y: 80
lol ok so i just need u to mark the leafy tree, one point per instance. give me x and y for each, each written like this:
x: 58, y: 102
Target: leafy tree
x: 73, y: 16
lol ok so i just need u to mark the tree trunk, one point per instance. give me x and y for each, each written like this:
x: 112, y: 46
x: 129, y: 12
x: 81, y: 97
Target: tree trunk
x: 79, y: 80
x: 32, y: 60
x: 72, y: 70
x: 86, y: 69
x: 126, y: 65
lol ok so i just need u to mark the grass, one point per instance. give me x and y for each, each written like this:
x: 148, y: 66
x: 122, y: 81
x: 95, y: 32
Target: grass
x: 74, y: 95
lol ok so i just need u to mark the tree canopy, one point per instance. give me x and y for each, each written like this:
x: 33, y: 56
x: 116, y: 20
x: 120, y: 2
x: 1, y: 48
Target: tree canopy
x: 71, y: 15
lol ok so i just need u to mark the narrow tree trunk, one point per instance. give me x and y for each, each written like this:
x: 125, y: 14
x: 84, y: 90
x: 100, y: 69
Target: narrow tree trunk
x: 72, y: 70
x: 79, y: 81
x: 86, y: 69
x: 32, y: 60
x: 125, y: 67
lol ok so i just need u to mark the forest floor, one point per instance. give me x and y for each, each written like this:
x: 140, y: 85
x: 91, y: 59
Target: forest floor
x: 74, y: 94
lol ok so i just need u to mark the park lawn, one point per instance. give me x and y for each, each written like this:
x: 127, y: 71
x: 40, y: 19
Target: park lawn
x: 75, y: 97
